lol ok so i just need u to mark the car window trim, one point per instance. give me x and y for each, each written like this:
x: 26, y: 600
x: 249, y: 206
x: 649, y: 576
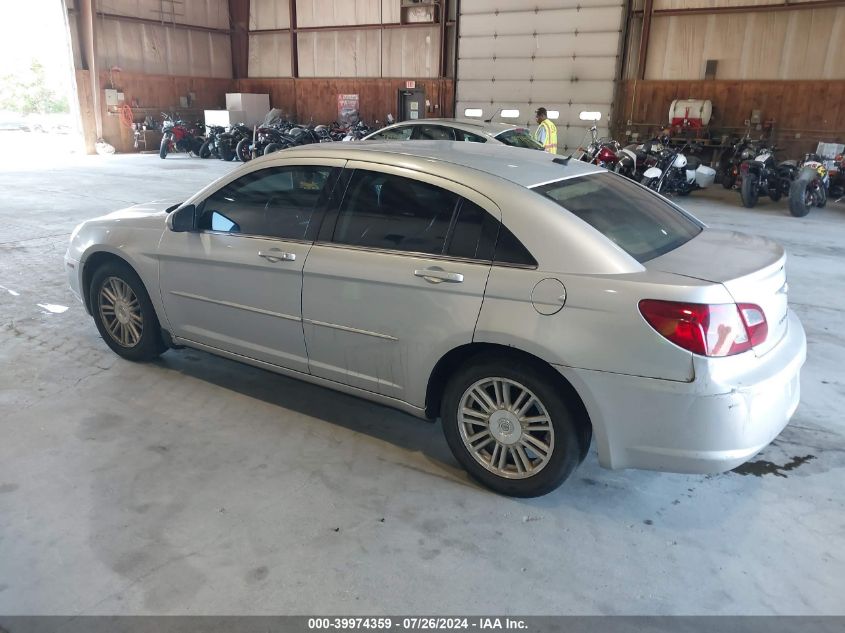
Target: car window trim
x: 421, y: 255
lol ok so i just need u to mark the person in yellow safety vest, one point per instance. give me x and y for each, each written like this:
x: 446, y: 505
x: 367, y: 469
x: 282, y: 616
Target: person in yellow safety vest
x: 546, y: 132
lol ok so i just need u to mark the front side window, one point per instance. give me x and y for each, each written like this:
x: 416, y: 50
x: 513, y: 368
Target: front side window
x: 518, y: 138
x: 394, y: 134
x: 470, y: 137
x: 274, y: 202
x: 434, y: 133
x: 391, y: 212
x: 640, y: 222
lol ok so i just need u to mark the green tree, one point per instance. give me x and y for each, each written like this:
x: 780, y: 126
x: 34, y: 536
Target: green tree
x: 30, y: 92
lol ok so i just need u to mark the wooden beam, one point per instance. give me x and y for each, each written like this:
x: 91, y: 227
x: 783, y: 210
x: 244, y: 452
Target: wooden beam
x: 88, y: 47
x: 294, y: 43
x: 648, y: 11
x: 239, y: 22
x: 748, y: 8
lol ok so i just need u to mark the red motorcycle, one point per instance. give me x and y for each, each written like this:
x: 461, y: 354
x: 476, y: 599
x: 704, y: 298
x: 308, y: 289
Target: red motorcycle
x: 176, y: 136
x: 601, y: 151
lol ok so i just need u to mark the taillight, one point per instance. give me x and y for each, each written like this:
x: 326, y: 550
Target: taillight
x: 722, y: 329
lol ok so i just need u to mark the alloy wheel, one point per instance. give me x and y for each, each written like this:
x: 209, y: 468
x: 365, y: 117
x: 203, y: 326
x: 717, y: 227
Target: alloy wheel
x: 120, y: 311
x: 506, y: 428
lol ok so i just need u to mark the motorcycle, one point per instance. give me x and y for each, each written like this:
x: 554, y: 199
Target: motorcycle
x: 675, y: 173
x: 633, y: 160
x: 209, y: 147
x: 228, y: 141
x: 743, y: 149
x: 809, y: 189
x: 266, y: 139
x: 357, y: 132
x: 600, y: 151
x: 177, y: 137
x: 763, y: 175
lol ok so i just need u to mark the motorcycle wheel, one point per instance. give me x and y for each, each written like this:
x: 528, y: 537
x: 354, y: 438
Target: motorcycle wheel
x: 800, y: 198
x: 242, y: 150
x: 646, y: 182
x: 205, y: 150
x: 196, y: 145
x: 227, y: 155
x: 823, y: 201
x: 775, y: 193
x: 749, y: 191
x: 162, y: 151
x: 272, y: 147
x: 728, y: 179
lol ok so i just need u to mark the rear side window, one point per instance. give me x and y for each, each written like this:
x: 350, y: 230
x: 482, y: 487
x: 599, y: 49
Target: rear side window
x: 641, y: 223
x: 474, y: 233
x: 509, y: 250
x: 470, y: 137
x: 391, y: 212
x: 518, y: 138
x: 434, y: 133
x: 394, y: 134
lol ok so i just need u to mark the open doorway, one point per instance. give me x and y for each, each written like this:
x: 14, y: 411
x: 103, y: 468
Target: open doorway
x: 39, y: 112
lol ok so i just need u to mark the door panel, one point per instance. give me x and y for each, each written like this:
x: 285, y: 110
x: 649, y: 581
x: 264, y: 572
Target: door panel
x: 219, y: 290
x: 381, y: 302
x: 372, y: 322
x: 236, y: 282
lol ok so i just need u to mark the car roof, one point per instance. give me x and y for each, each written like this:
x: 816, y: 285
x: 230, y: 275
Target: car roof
x: 525, y: 167
x: 471, y: 125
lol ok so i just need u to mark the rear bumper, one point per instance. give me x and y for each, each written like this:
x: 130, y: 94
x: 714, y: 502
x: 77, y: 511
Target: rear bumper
x: 734, y: 408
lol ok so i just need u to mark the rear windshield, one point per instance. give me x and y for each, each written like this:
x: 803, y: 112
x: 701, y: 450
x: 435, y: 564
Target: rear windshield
x: 518, y: 138
x: 641, y: 223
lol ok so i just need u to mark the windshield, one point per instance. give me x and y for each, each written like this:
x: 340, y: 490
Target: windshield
x: 518, y: 138
x: 640, y: 222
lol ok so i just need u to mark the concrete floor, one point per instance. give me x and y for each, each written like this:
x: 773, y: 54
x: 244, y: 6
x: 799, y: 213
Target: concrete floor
x: 195, y: 485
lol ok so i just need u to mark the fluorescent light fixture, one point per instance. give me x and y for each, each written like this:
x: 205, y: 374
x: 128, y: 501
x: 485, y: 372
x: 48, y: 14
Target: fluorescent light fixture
x: 473, y: 112
x: 552, y: 114
x: 510, y: 114
x: 590, y: 116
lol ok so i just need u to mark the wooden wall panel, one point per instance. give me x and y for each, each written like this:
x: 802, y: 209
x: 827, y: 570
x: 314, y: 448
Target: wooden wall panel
x: 788, y: 45
x: 316, y: 99
x: 804, y: 112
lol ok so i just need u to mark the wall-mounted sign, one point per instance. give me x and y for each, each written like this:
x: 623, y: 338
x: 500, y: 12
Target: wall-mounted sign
x: 410, y: 85
x: 347, y: 108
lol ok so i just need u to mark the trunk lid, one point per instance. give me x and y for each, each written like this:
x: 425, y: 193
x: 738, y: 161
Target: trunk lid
x: 751, y: 268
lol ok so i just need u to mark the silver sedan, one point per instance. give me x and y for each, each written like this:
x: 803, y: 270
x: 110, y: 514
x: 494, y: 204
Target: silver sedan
x: 531, y: 303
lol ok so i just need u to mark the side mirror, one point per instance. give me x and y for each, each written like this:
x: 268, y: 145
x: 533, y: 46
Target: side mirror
x: 184, y: 219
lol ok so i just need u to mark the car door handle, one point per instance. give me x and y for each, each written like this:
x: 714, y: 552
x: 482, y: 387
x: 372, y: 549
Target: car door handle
x: 438, y: 275
x: 277, y: 256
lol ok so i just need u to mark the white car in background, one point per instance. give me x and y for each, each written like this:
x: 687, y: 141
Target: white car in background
x: 471, y: 130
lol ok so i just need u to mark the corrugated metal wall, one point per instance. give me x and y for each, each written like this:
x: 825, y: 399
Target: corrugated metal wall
x: 165, y: 48
x: 560, y: 55
x: 393, y: 52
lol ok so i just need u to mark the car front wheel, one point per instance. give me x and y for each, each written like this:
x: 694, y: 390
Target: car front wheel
x: 124, y: 314
x: 510, y: 428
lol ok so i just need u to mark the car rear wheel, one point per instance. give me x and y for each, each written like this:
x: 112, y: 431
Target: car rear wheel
x: 510, y: 428
x: 124, y: 314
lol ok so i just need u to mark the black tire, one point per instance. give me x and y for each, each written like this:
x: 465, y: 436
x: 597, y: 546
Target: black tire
x: 749, y: 191
x: 205, y: 150
x: 162, y: 150
x: 242, y: 150
x: 775, y: 194
x: 272, y: 147
x: 821, y: 203
x: 568, y: 444
x: 150, y: 343
x: 196, y: 145
x: 646, y: 182
x: 798, y: 198
x: 227, y: 155
x: 728, y: 179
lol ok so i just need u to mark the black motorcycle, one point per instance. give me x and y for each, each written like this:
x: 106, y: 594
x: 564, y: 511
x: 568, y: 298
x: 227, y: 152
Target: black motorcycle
x: 764, y: 175
x: 209, y: 148
x: 228, y: 141
x: 729, y: 168
x: 810, y: 187
x: 633, y: 160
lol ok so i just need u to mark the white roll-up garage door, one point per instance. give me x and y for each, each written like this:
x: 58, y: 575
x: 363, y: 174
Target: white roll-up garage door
x: 522, y: 55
